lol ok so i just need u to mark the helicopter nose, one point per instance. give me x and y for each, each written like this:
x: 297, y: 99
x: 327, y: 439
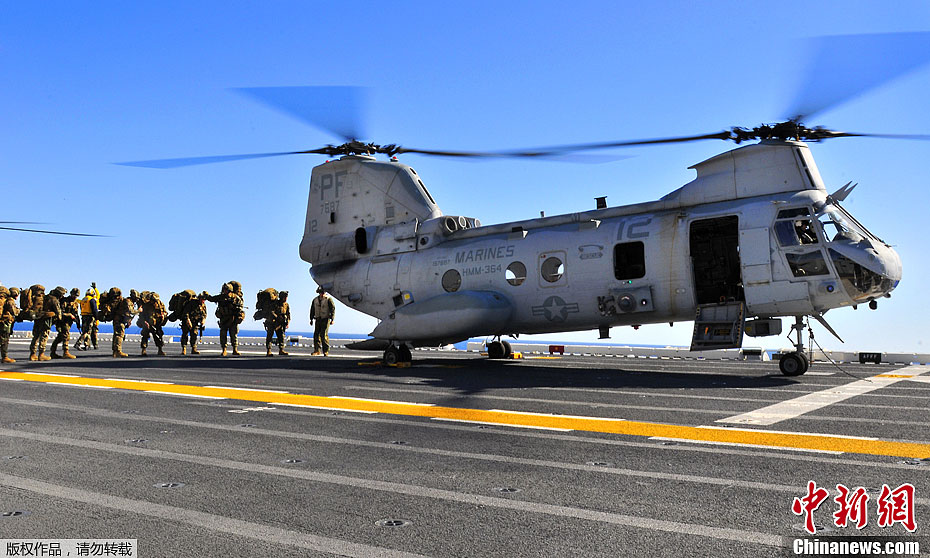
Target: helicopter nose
x: 891, y: 263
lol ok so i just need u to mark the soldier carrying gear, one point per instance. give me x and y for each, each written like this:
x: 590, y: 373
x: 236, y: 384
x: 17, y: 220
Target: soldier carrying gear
x: 323, y: 310
x: 88, y: 320
x: 277, y: 318
x: 230, y: 313
x: 188, y: 307
x: 42, y: 322
x: 123, y: 311
x: 152, y: 318
x: 8, y: 314
x: 70, y: 313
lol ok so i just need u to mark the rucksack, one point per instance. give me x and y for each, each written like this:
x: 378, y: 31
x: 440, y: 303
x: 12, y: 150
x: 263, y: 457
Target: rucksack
x: 265, y: 303
x: 32, y: 302
x: 177, y: 302
x: 106, y: 306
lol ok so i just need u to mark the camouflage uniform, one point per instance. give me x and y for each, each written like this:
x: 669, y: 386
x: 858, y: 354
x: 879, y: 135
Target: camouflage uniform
x: 229, y: 314
x: 8, y: 313
x: 123, y: 311
x: 152, y: 316
x: 193, y: 315
x: 276, y: 323
x: 70, y: 312
x: 42, y: 325
x: 323, y: 310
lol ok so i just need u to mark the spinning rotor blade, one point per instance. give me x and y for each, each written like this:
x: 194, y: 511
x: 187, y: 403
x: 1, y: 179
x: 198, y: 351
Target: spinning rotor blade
x: 190, y: 161
x: 337, y: 110
x: 51, y: 232
x: 846, y: 66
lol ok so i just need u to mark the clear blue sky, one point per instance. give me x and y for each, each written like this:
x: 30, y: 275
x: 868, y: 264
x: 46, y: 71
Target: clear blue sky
x: 89, y: 84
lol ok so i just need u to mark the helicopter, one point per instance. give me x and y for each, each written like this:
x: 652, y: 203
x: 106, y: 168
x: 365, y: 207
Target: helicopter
x: 755, y: 237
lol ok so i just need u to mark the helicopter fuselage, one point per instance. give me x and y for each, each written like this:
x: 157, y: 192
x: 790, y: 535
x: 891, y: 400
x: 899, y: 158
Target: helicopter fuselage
x: 756, y: 232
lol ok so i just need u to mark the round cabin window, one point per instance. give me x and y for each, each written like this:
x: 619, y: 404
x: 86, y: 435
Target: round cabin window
x: 552, y: 269
x: 515, y: 273
x: 451, y: 280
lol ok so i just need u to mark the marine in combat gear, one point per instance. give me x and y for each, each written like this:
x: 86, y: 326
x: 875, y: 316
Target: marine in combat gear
x: 188, y: 308
x: 123, y: 311
x: 152, y: 318
x: 229, y: 313
x: 42, y: 322
x: 273, y: 307
x: 70, y: 314
x: 8, y: 314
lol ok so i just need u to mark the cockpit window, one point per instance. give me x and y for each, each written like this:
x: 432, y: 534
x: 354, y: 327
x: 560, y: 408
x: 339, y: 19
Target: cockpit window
x: 807, y: 264
x: 839, y: 225
x: 793, y: 231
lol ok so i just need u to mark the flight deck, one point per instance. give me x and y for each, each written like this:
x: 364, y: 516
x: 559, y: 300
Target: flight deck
x: 456, y: 455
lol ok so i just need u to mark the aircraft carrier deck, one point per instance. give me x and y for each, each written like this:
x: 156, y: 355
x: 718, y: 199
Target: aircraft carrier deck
x: 456, y: 455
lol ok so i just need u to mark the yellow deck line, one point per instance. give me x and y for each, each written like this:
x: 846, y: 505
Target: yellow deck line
x: 588, y: 424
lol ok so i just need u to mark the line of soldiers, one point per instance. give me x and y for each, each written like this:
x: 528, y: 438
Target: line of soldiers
x: 62, y: 309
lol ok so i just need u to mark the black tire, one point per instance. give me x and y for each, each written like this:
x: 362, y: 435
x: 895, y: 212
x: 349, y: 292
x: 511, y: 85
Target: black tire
x: 495, y: 350
x: 508, y: 350
x: 392, y: 355
x: 405, y: 355
x: 793, y: 364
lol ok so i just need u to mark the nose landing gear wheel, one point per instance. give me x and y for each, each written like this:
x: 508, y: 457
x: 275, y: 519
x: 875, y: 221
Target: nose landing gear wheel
x: 793, y: 364
x: 499, y: 349
x: 395, y: 354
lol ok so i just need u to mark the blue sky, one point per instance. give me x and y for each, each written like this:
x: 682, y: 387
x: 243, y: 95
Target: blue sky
x: 87, y: 85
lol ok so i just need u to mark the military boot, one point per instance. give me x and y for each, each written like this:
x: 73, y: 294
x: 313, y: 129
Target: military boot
x: 224, y: 352
x: 194, y: 350
x: 161, y: 351
x: 119, y: 354
x: 268, y: 351
x: 32, y: 356
x: 54, y: 354
x: 143, y: 351
x: 235, y: 350
x: 8, y: 360
x: 66, y: 354
x: 281, y: 351
x: 44, y: 357
x: 184, y: 349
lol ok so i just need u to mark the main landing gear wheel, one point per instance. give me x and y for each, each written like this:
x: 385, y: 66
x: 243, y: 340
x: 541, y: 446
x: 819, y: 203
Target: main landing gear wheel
x: 395, y: 354
x: 793, y: 364
x: 499, y: 349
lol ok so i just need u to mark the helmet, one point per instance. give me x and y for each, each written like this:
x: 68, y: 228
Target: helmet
x: 133, y: 294
x: 114, y: 291
x: 90, y: 292
x: 58, y: 292
x: 75, y: 292
x: 320, y: 290
x: 14, y: 292
x: 226, y: 288
x: 282, y: 294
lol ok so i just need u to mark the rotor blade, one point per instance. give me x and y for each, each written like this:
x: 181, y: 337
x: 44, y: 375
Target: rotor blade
x: 53, y: 232
x: 21, y: 223
x: 559, y: 150
x: 337, y: 110
x: 920, y: 137
x: 846, y: 66
x: 190, y: 161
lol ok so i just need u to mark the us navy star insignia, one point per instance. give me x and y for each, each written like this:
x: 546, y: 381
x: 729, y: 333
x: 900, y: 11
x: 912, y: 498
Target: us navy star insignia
x: 555, y: 309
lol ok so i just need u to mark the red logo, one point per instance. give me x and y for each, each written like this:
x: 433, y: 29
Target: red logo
x: 894, y: 506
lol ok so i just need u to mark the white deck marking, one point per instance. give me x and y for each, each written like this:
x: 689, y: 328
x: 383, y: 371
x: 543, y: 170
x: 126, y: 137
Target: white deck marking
x: 804, y: 404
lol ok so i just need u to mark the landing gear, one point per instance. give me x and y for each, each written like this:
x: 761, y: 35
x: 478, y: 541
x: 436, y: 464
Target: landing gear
x: 796, y: 363
x: 499, y: 349
x: 395, y: 354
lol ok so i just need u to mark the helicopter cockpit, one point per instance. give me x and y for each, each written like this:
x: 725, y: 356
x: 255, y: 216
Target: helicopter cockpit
x: 866, y: 266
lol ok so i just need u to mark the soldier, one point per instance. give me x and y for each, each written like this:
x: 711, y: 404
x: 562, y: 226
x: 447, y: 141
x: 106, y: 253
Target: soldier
x: 229, y: 314
x: 88, y: 320
x: 152, y: 317
x: 70, y: 313
x: 323, y: 310
x: 123, y: 310
x: 42, y: 324
x: 8, y: 313
x: 276, y: 323
x: 192, y: 315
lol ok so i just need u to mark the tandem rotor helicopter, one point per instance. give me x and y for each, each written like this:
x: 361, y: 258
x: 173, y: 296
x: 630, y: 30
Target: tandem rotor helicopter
x: 755, y: 237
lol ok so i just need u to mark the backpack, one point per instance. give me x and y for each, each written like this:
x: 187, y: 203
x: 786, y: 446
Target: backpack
x: 32, y: 302
x: 177, y: 302
x: 106, y: 306
x: 265, y: 303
